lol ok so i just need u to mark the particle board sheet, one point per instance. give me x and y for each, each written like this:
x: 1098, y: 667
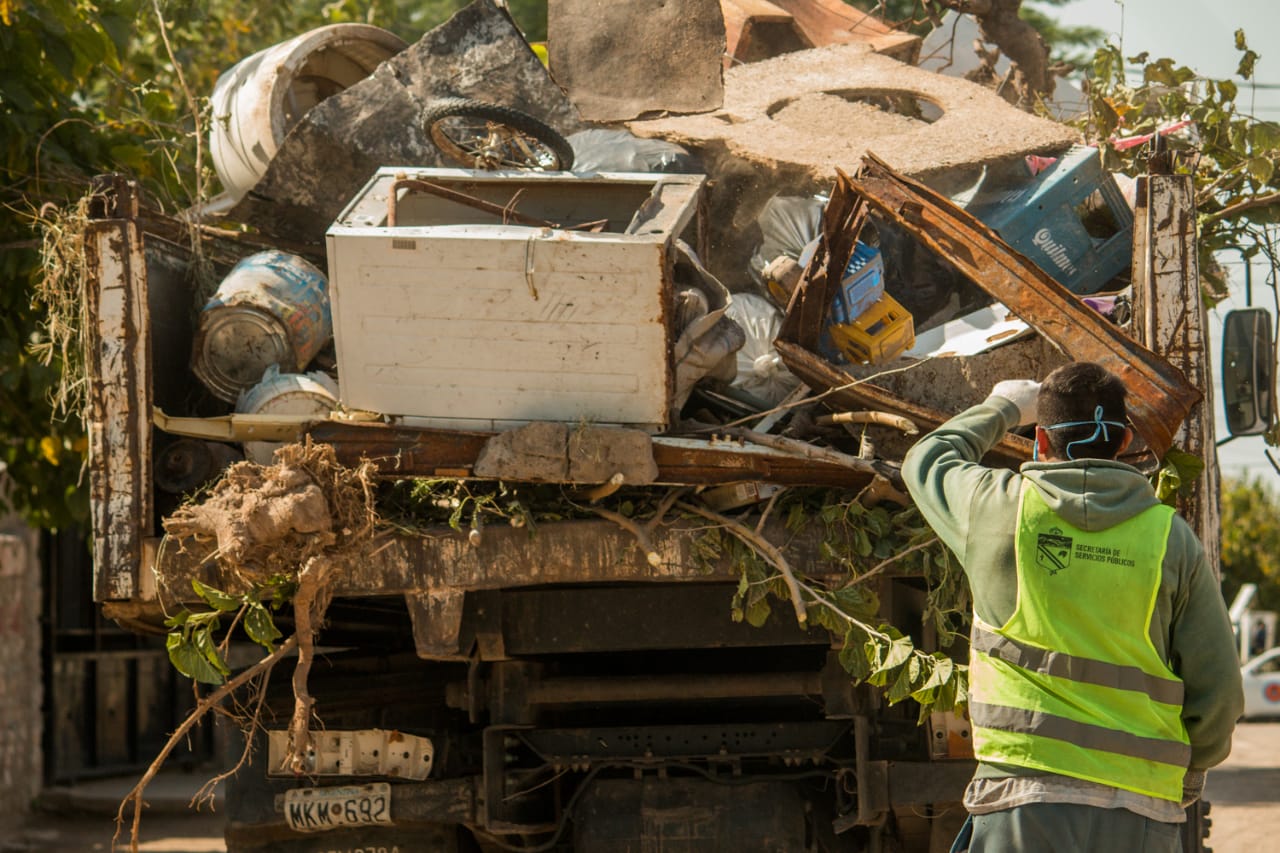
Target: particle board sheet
x: 618, y: 61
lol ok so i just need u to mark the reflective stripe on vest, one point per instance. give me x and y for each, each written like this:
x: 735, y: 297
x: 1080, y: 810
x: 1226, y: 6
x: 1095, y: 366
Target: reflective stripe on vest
x: 1072, y: 683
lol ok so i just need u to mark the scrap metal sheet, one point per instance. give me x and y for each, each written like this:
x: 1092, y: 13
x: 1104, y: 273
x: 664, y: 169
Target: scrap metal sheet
x: 622, y: 60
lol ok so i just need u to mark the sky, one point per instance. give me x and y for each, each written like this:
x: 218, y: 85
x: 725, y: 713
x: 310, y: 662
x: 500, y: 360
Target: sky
x: 1200, y: 35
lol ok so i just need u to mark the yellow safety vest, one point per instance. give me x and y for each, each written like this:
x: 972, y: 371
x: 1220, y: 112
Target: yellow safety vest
x: 1072, y: 683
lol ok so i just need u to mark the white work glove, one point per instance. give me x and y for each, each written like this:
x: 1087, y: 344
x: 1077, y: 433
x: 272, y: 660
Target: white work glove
x: 1022, y: 393
x: 1192, y: 787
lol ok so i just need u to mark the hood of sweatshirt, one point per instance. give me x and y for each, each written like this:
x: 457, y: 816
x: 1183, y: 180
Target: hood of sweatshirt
x: 1091, y: 494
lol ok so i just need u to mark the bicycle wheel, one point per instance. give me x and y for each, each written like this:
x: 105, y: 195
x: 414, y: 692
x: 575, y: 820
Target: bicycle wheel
x: 481, y: 135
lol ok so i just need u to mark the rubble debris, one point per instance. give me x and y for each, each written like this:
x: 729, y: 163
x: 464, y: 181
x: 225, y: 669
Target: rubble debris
x: 787, y: 122
x: 331, y: 153
x: 800, y: 338
x: 618, y: 61
x: 1160, y: 397
x: 558, y: 453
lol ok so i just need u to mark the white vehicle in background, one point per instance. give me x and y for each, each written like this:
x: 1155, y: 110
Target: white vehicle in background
x: 1262, y: 685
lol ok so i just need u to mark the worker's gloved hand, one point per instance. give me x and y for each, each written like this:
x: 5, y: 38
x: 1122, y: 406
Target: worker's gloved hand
x: 1192, y: 787
x: 1022, y: 393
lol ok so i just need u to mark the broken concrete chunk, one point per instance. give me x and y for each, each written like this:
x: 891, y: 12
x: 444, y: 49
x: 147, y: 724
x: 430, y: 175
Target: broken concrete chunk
x: 824, y: 108
x: 338, y: 145
x: 558, y: 453
x: 596, y: 455
x: 622, y: 60
x: 537, y: 451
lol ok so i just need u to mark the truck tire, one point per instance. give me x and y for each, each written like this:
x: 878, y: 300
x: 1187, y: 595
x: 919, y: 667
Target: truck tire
x: 478, y: 134
x: 1196, y: 830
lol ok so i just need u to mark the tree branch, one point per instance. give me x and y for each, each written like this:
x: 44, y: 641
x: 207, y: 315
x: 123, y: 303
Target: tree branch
x: 197, y: 713
x: 764, y: 548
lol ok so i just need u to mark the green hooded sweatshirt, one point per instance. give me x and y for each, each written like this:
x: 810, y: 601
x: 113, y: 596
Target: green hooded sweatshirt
x: 974, y: 510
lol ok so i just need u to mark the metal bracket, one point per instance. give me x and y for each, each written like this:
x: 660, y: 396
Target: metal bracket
x: 363, y: 752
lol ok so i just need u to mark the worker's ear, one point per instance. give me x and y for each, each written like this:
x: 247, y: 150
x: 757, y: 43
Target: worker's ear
x: 1042, y: 443
x: 1126, y: 441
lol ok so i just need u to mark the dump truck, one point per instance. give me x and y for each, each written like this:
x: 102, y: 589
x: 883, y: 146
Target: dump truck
x: 579, y: 683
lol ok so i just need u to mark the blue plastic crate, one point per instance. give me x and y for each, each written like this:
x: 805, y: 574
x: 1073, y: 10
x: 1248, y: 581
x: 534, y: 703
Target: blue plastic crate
x: 861, y: 286
x: 1041, y: 220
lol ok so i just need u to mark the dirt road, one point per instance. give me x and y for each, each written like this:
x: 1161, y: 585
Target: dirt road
x: 1245, y: 792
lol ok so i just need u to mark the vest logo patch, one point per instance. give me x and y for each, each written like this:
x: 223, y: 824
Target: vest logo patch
x: 1053, y: 551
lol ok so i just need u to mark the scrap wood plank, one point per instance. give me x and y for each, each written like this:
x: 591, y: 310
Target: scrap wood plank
x: 1160, y: 397
x: 758, y: 29
x: 826, y: 22
x: 427, y: 452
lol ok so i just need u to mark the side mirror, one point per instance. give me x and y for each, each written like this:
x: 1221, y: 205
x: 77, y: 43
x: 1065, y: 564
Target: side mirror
x: 1248, y: 377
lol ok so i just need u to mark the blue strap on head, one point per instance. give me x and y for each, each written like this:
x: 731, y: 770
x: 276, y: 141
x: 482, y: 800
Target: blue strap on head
x: 1101, y: 428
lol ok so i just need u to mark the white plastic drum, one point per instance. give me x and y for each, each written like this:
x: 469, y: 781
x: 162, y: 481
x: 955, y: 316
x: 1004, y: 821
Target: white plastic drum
x: 286, y: 394
x: 272, y: 308
x: 259, y: 100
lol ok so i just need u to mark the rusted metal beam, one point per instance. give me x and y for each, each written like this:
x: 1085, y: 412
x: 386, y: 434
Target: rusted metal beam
x: 119, y: 368
x: 1160, y: 396
x: 564, y: 552
x: 426, y: 452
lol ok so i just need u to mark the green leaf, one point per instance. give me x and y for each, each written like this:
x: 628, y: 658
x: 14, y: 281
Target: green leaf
x: 190, y: 661
x: 1261, y: 169
x: 757, y: 612
x: 202, y: 621
x: 178, y: 619
x: 204, y: 642
x: 904, y: 685
x: 216, y: 598
x: 1247, y: 61
x: 1240, y: 42
x: 261, y: 628
x: 1227, y: 90
x: 852, y: 657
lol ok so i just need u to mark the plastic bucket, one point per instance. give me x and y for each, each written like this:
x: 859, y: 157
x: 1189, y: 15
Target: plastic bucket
x: 258, y: 100
x: 272, y: 308
x: 286, y: 394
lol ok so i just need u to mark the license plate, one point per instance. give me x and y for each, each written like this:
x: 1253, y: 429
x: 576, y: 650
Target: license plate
x: 318, y: 809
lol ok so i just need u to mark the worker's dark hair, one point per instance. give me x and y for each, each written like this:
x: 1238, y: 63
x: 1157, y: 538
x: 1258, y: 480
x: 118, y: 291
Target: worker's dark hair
x: 1072, y: 394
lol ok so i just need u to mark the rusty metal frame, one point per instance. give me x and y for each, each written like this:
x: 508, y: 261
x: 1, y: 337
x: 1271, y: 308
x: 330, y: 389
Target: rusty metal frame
x: 1160, y: 397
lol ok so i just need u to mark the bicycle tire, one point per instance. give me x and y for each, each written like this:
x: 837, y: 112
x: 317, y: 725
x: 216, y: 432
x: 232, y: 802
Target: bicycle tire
x: 510, y: 117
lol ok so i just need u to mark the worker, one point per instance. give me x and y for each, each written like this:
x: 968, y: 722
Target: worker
x: 1103, y: 672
